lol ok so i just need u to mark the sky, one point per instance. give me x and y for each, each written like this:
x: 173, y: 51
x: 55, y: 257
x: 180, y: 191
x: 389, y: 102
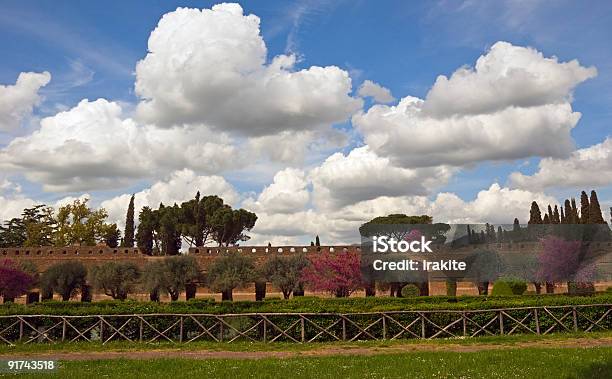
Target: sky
x: 316, y: 115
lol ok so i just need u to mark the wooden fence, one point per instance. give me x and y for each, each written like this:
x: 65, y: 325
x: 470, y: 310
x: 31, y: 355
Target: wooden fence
x: 304, y: 327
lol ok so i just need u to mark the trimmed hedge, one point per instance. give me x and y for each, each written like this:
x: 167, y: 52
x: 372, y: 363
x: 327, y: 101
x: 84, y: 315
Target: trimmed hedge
x: 302, y: 304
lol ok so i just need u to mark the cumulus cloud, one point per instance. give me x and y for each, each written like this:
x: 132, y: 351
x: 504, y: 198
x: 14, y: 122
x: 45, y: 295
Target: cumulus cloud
x: 92, y: 147
x: 514, y: 104
x: 18, y: 100
x: 180, y: 186
x: 287, y: 193
x: 379, y: 93
x: 506, y: 76
x: 12, y: 200
x: 363, y: 175
x: 210, y: 66
x: 588, y: 167
x: 496, y: 205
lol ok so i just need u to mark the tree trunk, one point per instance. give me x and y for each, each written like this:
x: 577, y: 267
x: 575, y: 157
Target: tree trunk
x: 86, y: 294
x: 299, y: 291
x: 451, y: 287
x: 423, y: 288
x: 8, y: 299
x: 174, y: 296
x: 154, y: 296
x: 227, y: 295
x: 32, y: 297
x: 550, y: 287
x: 190, y: 291
x: 538, y: 287
x: 260, y: 291
x: 370, y: 289
x: 483, y: 288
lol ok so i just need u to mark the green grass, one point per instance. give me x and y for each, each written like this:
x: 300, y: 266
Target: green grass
x: 84, y: 346
x: 516, y: 363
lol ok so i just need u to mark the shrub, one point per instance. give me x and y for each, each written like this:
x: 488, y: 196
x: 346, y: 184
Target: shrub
x: 501, y: 288
x: 284, y: 272
x: 66, y: 279
x: 13, y: 281
x: 115, y: 279
x: 339, y: 274
x: 518, y: 286
x: 230, y: 271
x: 170, y: 275
x: 410, y: 290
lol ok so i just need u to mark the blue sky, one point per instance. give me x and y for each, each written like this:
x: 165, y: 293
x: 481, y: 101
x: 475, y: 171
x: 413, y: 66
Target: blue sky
x: 91, y: 50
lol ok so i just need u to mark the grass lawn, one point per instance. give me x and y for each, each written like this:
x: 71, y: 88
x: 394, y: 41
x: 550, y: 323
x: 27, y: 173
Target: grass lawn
x: 126, y: 346
x: 512, y: 363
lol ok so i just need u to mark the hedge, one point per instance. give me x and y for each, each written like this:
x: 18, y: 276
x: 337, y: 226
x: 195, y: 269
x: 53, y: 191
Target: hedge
x: 303, y: 305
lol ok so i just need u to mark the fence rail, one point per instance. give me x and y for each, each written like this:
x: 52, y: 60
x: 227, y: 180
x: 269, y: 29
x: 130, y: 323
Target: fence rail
x: 304, y: 327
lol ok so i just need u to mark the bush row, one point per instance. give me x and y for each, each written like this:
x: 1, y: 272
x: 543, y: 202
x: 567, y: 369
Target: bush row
x: 303, y: 304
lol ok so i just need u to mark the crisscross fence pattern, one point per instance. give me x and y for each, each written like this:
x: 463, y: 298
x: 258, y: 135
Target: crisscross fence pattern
x: 304, y: 327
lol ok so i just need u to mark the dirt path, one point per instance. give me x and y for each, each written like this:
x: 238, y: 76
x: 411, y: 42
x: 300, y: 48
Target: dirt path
x: 316, y: 352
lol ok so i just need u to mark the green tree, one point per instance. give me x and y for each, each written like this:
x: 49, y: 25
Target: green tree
x: 39, y: 225
x: 146, y: 228
x: 228, y: 225
x: 285, y: 272
x: 170, y: 275
x: 128, y: 234
x: 169, y: 230
x: 77, y: 224
x: 110, y: 235
x: 115, y: 279
x: 229, y: 272
x: 584, y: 208
x: 13, y: 233
x: 535, y: 216
x: 66, y: 279
x: 595, y: 215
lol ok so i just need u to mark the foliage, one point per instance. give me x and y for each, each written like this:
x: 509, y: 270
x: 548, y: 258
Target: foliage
x: 394, y: 225
x: 35, y: 227
x: 338, y: 274
x: 65, y: 278
x: 77, y: 224
x: 230, y: 271
x: 111, y: 235
x: 410, y: 290
x: 170, y: 275
x: 516, y: 285
x: 559, y: 259
x: 285, y: 272
x: 228, y: 225
x: 307, y: 304
x: 128, y: 234
x: 146, y: 227
x: 14, y: 282
x: 115, y: 279
x: 501, y: 288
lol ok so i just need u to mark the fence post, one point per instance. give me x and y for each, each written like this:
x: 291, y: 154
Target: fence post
x: 63, y: 329
x: 265, y: 330
x: 20, y: 329
x: 181, y: 329
x: 140, y: 330
x: 422, y: 325
x: 464, y: 323
x: 501, y: 322
x: 303, y: 324
x: 343, y: 329
x: 575, y: 317
x: 537, y: 320
x: 384, y: 322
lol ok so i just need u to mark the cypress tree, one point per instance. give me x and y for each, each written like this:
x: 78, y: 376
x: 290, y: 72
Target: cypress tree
x: 535, y: 216
x: 563, y: 220
x: 550, y: 214
x: 569, y: 216
x: 500, y: 234
x: 317, y: 241
x: 584, y: 208
x: 575, y: 219
x: 546, y: 220
x: 556, y: 217
x: 469, y: 234
x: 128, y: 239
x: 595, y: 215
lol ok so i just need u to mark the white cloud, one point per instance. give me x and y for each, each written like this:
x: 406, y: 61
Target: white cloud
x: 178, y: 187
x: 507, y: 76
x: 362, y: 175
x: 287, y: 193
x: 91, y: 147
x: 374, y: 90
x: 514, y: 104
x: 12, y: 200
x: 17, y: 101
x: 209, y: 66
x: 588, y: 167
